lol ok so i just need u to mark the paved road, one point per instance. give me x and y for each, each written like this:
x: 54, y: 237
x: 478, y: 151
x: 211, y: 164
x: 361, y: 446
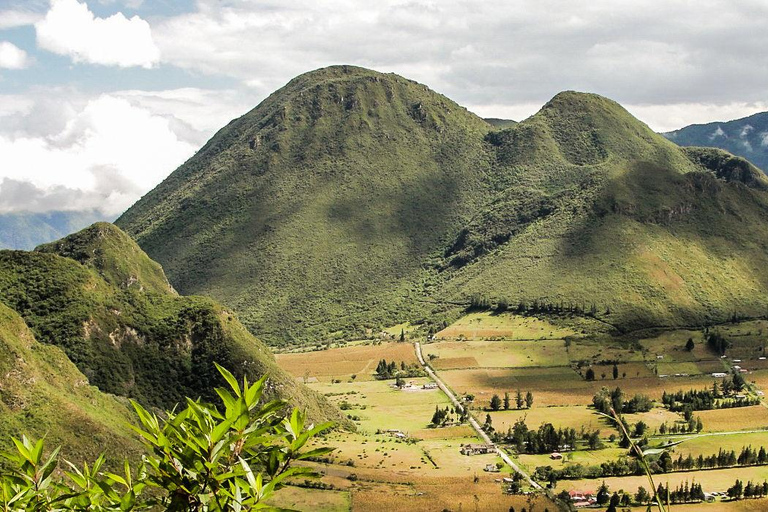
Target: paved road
x: 475, y: 425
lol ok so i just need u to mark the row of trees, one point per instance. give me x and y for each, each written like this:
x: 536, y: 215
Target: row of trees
x: 738, y: 490
x: 705, y: 399
x: 479, y: 302
x: 748, y: 456
x: 527, y: 402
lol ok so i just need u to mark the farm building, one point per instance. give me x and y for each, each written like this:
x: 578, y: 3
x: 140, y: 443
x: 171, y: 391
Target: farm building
x: 491, y: 468
x: 430, y: 385
x: 556, y: 456
x: 719, y: 375
x: 477, y: 449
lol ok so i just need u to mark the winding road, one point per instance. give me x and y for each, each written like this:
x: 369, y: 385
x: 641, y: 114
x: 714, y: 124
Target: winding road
x: 475, y: 425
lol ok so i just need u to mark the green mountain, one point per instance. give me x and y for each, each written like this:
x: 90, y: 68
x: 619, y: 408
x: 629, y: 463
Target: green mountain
x: 98, y: 296
x: 349, y: 200
x: 25, y: 230
x: 43, y: 394
x: 747, y: 137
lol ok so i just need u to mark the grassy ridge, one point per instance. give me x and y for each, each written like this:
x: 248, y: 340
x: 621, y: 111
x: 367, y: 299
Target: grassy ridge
x: 100, y: 298
x: 350, y: 200
x: 43, y: 394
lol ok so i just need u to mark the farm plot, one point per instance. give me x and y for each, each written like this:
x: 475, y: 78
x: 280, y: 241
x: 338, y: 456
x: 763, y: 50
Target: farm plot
x: 507, y: 326
x: 710, y: 444
x: 584, y: 457
x: 342, y: 363
x: 317, y: 500
x: 379, y: 406
x: 742, y: 418
x: 575, y: 417
x: 496, y: 354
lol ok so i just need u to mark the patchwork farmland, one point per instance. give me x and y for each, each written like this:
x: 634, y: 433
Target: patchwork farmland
x: 562, y: 364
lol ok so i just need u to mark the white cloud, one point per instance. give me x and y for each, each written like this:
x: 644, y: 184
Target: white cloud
x: 673, y: 116
x: 764, y: 139
x: 70, y: 28
x: 746, y: 130
x: 12, y: 57
x: 106, y: 155
x: 717, y: 134
x: 18, y: 18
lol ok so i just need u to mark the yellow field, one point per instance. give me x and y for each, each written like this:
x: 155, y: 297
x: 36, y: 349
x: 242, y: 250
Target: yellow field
x: 574, y: 417
x: 497, y: 354
x: 560, y: 385
x: 478, y: 326
x: 743, y: 418
x: 342, y: 363
x: 380, y: 406
x: 298, y: 498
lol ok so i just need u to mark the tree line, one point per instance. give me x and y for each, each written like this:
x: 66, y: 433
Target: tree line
x: 520, y: 401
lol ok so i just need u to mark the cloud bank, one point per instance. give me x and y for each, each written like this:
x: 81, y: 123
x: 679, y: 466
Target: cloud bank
x: 70, y: 28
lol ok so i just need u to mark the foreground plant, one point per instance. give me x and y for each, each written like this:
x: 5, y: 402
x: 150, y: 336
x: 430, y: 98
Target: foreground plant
x: 199, y: 459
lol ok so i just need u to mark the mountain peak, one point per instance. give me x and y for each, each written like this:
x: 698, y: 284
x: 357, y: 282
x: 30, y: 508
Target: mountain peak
x: 115, y: 255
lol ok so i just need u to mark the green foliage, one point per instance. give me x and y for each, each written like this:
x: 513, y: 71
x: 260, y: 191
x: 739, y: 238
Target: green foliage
x: 351, y: 200
x: 202, y: 458
x: 98, y: 296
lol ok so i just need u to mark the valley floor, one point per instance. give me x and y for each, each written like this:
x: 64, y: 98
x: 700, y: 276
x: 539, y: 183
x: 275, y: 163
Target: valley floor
x: 398, y: 461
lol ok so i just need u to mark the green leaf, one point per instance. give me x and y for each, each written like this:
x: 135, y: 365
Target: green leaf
x: 231, y: 380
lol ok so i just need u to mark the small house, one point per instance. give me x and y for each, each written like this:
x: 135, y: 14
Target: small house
x: 491, y: 468
x: 556, y: 456
x: 719, y: 375
x: 477, y: 449
x: 430, y: 385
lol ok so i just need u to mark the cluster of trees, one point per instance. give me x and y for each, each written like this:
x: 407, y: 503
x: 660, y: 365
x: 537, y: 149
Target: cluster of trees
x: 449, y: 415
x: 692, y: 424
x: 738, y: 490
x: 683, y: 493
x: 546, y: 439
x: 607, y: 399
x: 391, y: 370
x: 497, y: 403
x: 748, y: 456
x: 719, y: 397
x: 717, y: 343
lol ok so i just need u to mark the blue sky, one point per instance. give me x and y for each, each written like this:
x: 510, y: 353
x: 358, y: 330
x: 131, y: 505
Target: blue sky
x: 101, y: 99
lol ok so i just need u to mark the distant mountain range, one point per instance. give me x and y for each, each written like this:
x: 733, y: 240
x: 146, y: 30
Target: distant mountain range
x: 350, y: 200
x: 25, y: 230
x: 747, y: 137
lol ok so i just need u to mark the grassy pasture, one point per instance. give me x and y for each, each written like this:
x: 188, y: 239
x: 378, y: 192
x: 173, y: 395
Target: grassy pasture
x: 442, y: 494
x: 559, y: 386
x: 341, y: 363
x: 507, y: 326
x: 743, y: 418
x: 386, y: 407
x: 585, y: 457
x: 496, y: 354
x: 317, y: 500
x: 758, y: 505
x: 710, y: 444
x: 574, y: 417
x: 603, y: 348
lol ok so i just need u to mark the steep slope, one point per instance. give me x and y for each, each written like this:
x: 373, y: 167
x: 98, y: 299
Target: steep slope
x: 623, y: 220
x: 349, y: 200
x: 315, y: 212
x: 746, y: 137
x: 43, y: 394
x: 100, y: 298
x: 25, y: 230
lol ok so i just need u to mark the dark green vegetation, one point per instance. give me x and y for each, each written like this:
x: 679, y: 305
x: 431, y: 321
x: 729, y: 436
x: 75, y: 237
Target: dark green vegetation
x: 747, y: 137
x: 99, y: 298
x: 199, y: 458
x: 350, y: 200
x: 25, y: 230
x: 43, y: 394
